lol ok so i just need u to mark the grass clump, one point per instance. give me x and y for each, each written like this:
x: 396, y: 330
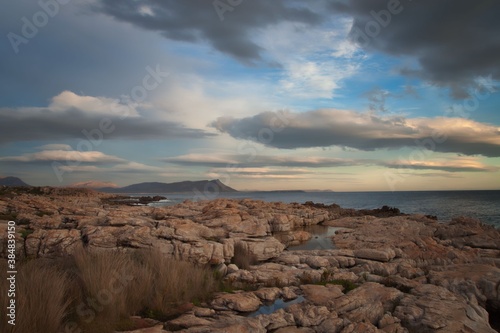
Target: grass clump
x: 99, y: 291
x: 348, y: 285
x: 41, y: 299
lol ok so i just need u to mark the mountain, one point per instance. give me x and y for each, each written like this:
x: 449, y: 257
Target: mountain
x: 94, y: 184
x: 12, y: 181
x: 202, y: 186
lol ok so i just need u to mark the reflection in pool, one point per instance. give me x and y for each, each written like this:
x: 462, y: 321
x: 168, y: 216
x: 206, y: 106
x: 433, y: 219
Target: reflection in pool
x: 275, y: 306
x: 321, y: 238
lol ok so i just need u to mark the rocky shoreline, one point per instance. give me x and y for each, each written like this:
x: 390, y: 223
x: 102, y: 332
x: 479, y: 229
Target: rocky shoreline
x: 388, y: 272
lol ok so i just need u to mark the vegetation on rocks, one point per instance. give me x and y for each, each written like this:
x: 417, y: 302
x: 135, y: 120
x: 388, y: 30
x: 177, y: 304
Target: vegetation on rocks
x: 99, y: 291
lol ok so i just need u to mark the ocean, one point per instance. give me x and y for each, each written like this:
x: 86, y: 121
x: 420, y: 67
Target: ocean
x: 483, y: 205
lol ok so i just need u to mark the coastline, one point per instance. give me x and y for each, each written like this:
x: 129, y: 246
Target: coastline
x: 407, y: 272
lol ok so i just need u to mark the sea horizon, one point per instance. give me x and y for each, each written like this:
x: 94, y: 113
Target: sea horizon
x: 445, y: 205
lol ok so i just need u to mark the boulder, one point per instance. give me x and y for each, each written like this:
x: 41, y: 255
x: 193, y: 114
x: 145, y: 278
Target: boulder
x: 241, y: 302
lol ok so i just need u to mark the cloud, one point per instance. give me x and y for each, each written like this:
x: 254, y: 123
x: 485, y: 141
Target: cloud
x: 65, y: 161
x: 125, y: 167
x: 259, y: 173
x: 244, y: 161
x: 450, y: 51
x: 71, y: 116
x: 363, y: 131
x: 68, y: 100
x: 55, y: 146
x: 294, y: 165
x: 452, y: 41
x: 198, y: 20
x: 463, y: 164
x: 377, y: 97
x: 314, y: 60
x: 64, y: 155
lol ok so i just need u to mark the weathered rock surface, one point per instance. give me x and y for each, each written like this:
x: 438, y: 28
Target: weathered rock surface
x: 392, y: 273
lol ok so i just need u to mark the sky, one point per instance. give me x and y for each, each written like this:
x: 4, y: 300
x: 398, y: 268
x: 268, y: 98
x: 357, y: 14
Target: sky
x: 361, y: 95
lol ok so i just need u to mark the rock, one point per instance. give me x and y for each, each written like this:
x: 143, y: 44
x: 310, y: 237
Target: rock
x: 308, y: 315
x: 231, y: 268
x: 390, y: 324
x: 477, y: 280
x: 321, y: 295
x: 317, y: 262
x: 345, y: 276
x: 369, y: 302
x: 203, y: 312
x: 360, y: 327
x: 332, y: 324
x: 465, y: 231
x: 52, y: 243
x: 377, y: 255
x: 264, y: 248
x: 268, y: 294
x: 222, y: 269
x: 433, y: 308
x: 288, y: 259
x: 293, y: 329
x: 279, y: 319
x: 154, y: 329
x: 241, y: 302
x: 187, y: 321
x: 288, y: 293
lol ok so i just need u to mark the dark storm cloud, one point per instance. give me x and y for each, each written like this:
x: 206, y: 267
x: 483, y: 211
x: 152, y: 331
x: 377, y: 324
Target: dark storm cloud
x: 453, y: 41
x: 330, y: 127
x: 195, y: 20
x: 44, y: 124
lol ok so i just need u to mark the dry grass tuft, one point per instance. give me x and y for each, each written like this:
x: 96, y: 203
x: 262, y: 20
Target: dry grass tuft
x: 41, y: 299
x: 99, y: 291
x: 173, y: 283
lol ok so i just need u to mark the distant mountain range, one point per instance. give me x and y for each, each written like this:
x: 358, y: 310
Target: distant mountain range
x: 94, y: 184
x: 203, y: 186
x: 12, y: 181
